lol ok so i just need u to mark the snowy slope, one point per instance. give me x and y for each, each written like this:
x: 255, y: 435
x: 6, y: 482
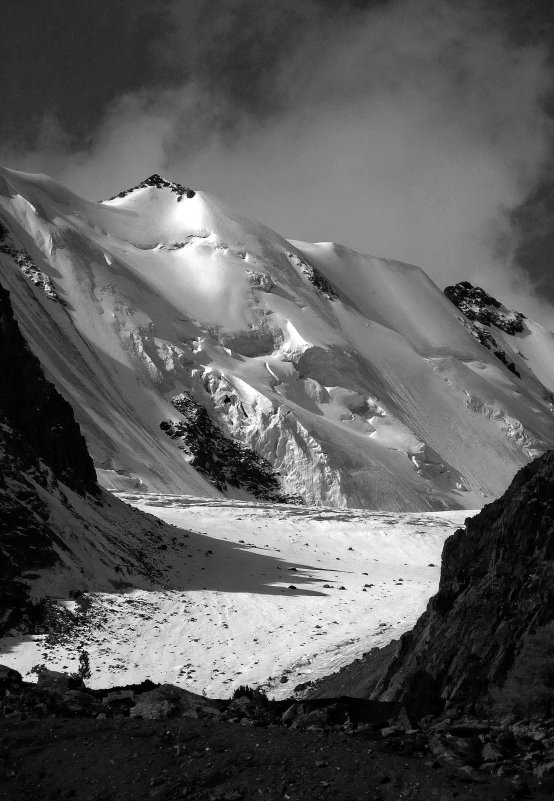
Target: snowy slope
x: 254, y: 594
x: 354, y: 377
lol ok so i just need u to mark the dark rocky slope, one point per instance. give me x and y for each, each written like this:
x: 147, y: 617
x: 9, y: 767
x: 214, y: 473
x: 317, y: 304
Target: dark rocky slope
x: 489, y: 629
x: 58, y: 528
x: 222, y: 460
x: 35, y: 412
x: 40, y: 446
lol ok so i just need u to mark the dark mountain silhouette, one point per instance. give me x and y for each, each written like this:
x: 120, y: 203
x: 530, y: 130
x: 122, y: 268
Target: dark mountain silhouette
x: 492, y: 616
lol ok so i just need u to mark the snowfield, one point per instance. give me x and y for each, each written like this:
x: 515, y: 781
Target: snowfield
x: 249, y: 593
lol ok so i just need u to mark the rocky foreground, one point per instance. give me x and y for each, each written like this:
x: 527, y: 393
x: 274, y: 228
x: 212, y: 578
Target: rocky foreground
x: 61, y: 740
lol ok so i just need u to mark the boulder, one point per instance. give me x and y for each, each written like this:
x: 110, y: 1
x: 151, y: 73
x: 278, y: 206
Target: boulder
x: 10, y: 679
x: 80, y: 703
x: 169, y: 701
x: 159, y: 709
x: 60, y: 683
x: 317, y: 718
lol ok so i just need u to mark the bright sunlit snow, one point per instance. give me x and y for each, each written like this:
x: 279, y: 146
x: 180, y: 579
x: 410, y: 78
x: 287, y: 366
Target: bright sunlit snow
x: 354, y: 376
x: 243, y: 597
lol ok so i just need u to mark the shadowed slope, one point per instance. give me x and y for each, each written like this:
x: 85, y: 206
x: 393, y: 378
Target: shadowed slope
x: 496, y: 590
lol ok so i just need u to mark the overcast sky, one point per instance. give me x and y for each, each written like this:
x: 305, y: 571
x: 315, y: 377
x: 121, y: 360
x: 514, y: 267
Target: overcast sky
x: 420, y: 130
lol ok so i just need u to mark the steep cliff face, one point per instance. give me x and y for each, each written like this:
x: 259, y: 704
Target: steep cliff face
x: 33, y: 409
x: 58, y: 528
x: 40, y: 445
x: 496, y: 592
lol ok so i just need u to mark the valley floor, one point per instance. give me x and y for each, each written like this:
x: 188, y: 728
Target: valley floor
x: 258, y: 594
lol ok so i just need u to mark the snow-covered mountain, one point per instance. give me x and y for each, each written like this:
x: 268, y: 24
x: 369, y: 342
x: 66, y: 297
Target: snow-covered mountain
x: 205, y: 354
x: 151, y: 599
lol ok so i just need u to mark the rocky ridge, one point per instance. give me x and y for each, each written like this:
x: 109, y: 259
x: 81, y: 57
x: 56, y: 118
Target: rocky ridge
x: 313, y: 275
x: 479, y: 306
x: 27, y: 265
x: 158, y: 182
x: 483, y: 311
x: 221, y: 459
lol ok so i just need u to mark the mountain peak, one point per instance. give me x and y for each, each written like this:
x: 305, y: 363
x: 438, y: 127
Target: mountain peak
x: 158, y: 182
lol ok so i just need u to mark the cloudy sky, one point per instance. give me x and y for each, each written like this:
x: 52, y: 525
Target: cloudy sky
x: 421, y: 130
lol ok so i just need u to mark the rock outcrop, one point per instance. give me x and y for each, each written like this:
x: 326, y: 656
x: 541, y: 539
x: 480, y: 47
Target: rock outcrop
x: 34, y: 411
x: 159, y: 183
x: 222, y: 460
x: 41, y: 445
x: 495, y: 601
x: 483, y: 310
x: 59, y: 531
x: 479, y: 306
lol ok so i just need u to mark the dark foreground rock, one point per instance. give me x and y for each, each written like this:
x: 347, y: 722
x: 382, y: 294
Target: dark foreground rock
x: 333, y: 735
x: 125, y: 759
x: 486, y: 639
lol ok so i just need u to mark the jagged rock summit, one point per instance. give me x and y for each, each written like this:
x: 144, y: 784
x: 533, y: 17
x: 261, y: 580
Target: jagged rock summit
x: 160, y: 183
x: 486, y: 636
x: 351, y: 379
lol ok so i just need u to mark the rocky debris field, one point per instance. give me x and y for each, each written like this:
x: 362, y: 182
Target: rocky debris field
x: 60, y: 740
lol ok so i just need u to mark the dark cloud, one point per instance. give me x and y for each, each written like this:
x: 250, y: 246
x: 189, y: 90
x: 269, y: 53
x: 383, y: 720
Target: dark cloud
x: 410, y: 128
x: 71, y: 59
x: 240, y: 51
x: 533, y: 221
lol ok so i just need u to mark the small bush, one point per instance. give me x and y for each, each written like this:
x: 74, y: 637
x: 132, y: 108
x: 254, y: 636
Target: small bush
x: 84, y: 665
x: 255, y: 695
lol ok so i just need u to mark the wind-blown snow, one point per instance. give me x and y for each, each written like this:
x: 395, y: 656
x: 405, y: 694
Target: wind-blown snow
x: 353, y: 376
x: 254, y: 594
